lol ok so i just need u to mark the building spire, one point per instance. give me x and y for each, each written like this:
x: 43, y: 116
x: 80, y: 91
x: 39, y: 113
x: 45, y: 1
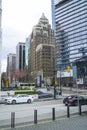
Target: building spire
x: 43, y: 19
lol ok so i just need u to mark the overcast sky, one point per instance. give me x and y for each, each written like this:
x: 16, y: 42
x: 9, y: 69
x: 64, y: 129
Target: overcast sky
x: 18, y: 19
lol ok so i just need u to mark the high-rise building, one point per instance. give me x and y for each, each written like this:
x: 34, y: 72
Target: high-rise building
x: 53, y: 14
x: 70, y: 29
x: 11, y: 65
x: 0, y: 39
x: 42, y: 45
x: 27, y: 58
x: 20, y: 56
x: 45, y: 64
x: 27, y: 48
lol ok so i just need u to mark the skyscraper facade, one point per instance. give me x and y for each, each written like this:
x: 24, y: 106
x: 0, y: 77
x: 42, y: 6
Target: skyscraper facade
x: 11, y: 65
x: 45, y: 61
x: 27, y: 58
x: 53, y: 14
x: 42, y: 44
x: 27, y: 52
x: 20, y: 56
x: 70, y: 30
x: 0, y: 39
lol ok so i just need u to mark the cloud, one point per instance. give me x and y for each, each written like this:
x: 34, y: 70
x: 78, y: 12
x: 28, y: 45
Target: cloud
x: 24, y: 14
x: 3, y: 65
x: 10, y: 39
x: 18, y: 19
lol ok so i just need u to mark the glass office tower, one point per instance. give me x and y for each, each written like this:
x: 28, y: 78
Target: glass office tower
x: 70, y: 30
x: 27, y: 52
x: 20, y: 56
x: 53, y: 14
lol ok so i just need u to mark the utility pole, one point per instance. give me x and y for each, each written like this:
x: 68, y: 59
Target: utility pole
x: 54, y: 85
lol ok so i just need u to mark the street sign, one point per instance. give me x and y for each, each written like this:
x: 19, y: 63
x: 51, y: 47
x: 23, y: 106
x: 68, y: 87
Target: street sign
x: 79, y: 81
x: 68, y: 68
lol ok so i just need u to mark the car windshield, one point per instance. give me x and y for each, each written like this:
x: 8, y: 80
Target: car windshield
x: 17, y: 95
x: 75, y: 96
x: 69, y: 97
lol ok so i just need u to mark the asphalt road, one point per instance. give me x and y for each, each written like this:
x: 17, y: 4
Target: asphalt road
x: 28, y: 109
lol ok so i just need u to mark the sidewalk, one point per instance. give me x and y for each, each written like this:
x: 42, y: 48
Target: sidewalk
x: 72, y: 123
x: 75, y: 89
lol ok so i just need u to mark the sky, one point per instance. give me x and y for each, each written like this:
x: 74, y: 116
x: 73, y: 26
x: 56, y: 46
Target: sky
x: 18, y: 19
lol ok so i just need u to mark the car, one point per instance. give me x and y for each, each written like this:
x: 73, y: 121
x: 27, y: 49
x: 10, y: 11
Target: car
x: 19, y: 98
x: 44, y: 95
x: 72, y: 100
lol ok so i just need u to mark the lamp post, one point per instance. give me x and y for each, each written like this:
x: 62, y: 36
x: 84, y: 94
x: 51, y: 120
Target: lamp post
x: 54, y: 86
x: 60, y: 86
x: 77, y: 82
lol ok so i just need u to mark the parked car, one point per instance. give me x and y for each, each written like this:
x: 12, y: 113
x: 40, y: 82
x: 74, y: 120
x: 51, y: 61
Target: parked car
x: 20, y: 98
x: 44, y: 95
x: 73, y: 100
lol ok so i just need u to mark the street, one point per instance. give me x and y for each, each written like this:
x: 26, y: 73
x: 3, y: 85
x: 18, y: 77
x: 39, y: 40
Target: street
x: 27, y: 109
x: 25, y: 112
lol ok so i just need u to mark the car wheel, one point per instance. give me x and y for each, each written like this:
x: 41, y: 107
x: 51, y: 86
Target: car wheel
x: 66, y: 103
x: 13, y: 102
x: 29, y: 101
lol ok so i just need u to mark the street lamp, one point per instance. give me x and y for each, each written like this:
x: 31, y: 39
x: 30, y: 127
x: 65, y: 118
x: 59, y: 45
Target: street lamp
x: 54, y: 86
x: 60, y: 86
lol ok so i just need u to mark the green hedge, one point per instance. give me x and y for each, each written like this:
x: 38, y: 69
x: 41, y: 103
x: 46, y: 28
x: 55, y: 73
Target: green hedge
x: 25, y: 92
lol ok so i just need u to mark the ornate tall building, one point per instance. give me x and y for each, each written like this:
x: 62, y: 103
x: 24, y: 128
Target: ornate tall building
x: 0, y: 39
x: 42, y: 51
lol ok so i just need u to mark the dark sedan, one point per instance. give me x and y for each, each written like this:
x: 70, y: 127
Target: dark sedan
x: 73, y: 100
x: 44, y: 95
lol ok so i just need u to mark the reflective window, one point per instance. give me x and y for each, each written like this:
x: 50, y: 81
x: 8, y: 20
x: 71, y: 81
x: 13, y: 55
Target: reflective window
x: 71, y: 30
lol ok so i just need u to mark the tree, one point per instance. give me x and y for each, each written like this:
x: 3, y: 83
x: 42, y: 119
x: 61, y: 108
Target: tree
x: 20, y: 75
